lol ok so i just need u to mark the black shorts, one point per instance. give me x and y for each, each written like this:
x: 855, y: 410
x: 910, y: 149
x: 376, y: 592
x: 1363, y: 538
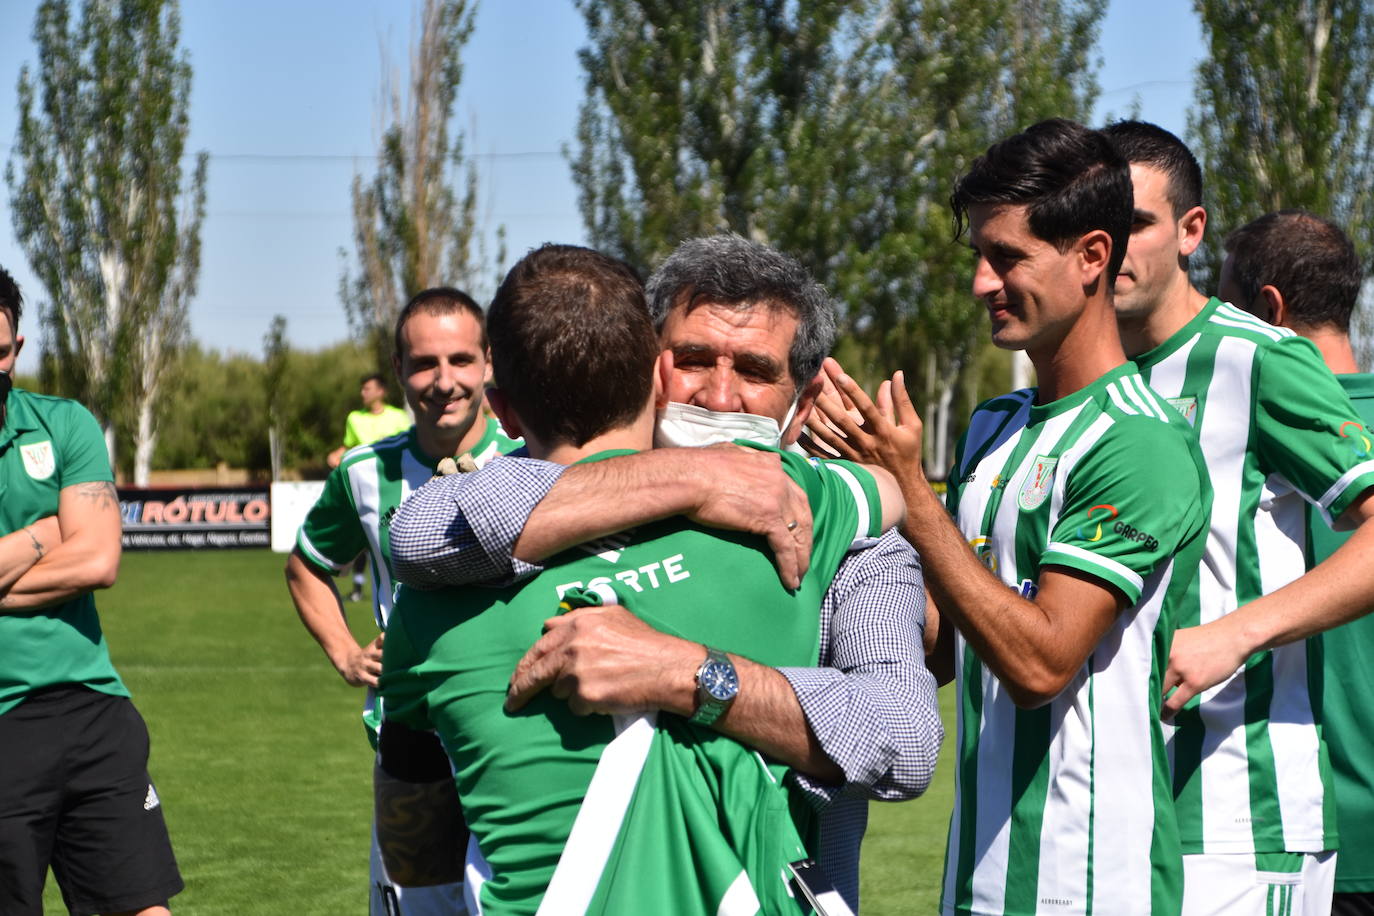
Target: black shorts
x: 75, y: 794
x: 1352, y: 904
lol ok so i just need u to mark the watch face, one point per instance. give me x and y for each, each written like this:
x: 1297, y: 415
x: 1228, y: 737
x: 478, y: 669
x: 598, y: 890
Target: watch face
x: 720, y: 681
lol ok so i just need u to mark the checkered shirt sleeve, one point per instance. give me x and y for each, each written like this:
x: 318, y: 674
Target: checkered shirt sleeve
x: 872, y: 702
x: 462, y: 529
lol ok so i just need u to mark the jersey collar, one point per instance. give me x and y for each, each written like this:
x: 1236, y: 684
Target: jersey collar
x: 1180, y: 337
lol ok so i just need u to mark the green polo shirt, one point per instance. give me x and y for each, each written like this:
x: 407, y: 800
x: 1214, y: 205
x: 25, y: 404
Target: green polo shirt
x: 47, y: 444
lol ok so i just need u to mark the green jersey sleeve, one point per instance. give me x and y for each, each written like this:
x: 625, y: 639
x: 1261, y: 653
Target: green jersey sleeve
x: 1130, y: 502
x: 846, y: 510
x: 332, y: 535
x: 82, y: 454
x: 1307, y: 430
x: 402, y: 685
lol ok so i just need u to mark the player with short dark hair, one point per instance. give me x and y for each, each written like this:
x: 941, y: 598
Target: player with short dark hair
x: 442, y: 363
x: 1299, y: 271
x: 1251, y: 783
x: 75, y: 793
x: 1080, y: 515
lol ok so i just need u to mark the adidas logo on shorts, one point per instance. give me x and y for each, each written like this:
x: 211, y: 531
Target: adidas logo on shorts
x: 150, y: 801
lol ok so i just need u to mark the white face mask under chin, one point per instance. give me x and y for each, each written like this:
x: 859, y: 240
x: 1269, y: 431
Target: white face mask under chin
x: 689, y: 426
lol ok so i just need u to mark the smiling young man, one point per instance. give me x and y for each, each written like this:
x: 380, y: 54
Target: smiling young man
x: 1079, y: 520
x: 1250, y: 771
x: 441, y: 361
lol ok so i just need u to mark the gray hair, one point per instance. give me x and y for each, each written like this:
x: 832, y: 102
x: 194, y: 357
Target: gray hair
x: 736, y: 273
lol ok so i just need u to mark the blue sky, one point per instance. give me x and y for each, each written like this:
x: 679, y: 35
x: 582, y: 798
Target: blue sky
x: 284, y: 98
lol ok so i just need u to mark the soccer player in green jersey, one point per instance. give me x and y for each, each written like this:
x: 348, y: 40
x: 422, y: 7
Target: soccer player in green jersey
x: 1079, y: 520
x: 589, y: 799
x: 1251, y: 773
x: 1299, y: 271
x: 74, y: 787
x: 440, y: 357
x: 1251, y: 778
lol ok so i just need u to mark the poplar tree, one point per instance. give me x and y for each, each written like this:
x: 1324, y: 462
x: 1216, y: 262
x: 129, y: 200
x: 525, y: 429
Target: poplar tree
x: 833, y: 130
x: 1283, y: 115
x: 101, y: 209
x: 415, y: 222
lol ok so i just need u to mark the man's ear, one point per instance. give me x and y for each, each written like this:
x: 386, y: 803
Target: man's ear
x: 507, y: 417
x: 805, y: 403
x: 396, y: 368
x: 1274, y: 305
x: 18, y: 343
x: 663, y: 377
x: 486, y: 376
x: 1190, y: 231
x: 1094, y: 251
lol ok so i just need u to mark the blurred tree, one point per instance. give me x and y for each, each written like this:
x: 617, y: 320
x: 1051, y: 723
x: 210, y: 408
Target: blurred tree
x: 100, y: 208
x: 219, y: 407
x: 1283, y: 115
x: 415, y: 223
x: 834, y: 130
x: 276, y: 360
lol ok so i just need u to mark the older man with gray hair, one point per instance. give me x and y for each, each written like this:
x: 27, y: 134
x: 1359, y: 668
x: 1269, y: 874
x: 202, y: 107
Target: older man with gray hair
x: 745, y: 329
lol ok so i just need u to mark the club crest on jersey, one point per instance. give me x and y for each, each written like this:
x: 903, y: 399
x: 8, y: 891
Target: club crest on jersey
x: 1038, y: 483
x: 38, y: 460
x: 1187, y: 407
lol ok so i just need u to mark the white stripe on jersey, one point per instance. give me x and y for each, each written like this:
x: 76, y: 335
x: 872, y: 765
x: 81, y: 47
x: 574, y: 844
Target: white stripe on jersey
x: 860, y: 501
x: 1106, y: 563
x: 1324, y: 504
x: 739, y: 899
x: 303, y: 540
x: 1123, y: 817
x: 599, y: 820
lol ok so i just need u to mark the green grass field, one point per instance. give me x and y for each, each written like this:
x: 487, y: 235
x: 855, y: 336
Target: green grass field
x: 261, y: 762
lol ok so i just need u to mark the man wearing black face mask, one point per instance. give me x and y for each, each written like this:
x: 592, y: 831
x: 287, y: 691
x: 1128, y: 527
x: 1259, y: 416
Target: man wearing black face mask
x: 74, y: 788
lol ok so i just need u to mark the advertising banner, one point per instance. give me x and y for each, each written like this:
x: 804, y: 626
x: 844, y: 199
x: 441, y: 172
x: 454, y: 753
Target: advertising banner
x: 192, y: 518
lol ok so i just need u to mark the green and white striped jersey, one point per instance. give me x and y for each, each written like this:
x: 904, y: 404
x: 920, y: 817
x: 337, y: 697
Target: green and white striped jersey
x: 354, y: 514
x: 602, y: 814
x: 1066, y: 808
x: 1250, y: 766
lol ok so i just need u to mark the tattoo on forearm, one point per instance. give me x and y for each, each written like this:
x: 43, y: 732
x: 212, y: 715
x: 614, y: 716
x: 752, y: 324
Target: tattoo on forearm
x: 37, y: 544
x: 101, y: 494
x: 420, y: 831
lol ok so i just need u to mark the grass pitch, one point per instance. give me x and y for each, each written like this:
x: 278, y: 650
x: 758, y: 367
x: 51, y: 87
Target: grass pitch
x: 259, y: 754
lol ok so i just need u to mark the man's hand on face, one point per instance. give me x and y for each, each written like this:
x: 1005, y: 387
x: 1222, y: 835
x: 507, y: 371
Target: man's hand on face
x: 747, y: 490
x: 607, y: 660
x: 847, y: 423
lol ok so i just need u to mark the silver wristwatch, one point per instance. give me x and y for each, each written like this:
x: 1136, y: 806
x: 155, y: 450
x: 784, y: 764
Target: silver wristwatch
x: 717, y: 687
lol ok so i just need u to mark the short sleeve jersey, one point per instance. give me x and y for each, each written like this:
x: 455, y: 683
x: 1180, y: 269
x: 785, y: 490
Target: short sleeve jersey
x: 354, y: 513
x: 1066, y: 808
x: 363, y: 427
x: 693, y: 817
x: 1278, y: 433
x: 46, y: 445
x: 1348, y: 697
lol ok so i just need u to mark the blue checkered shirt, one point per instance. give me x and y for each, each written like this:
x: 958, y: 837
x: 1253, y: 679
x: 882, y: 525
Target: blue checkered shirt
x: 871, y: 704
